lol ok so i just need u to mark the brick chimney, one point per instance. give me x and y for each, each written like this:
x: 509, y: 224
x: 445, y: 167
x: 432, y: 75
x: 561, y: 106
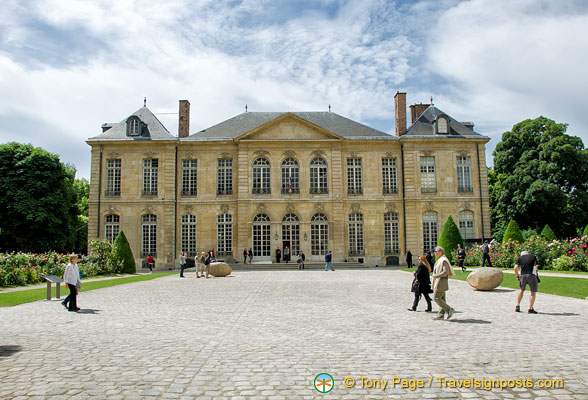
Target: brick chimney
x: 400, y: 113
x: 416, y: 110
x: 184, y: 120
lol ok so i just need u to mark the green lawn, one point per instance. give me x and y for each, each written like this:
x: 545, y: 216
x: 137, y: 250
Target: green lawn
x: 26, y: 296
x: 569, y: 287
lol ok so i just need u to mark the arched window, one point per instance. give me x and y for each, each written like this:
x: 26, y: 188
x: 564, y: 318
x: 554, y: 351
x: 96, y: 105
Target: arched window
x: 429, y: 231
x: 319, y: 235
x: 189, y: 234
x: 111, y: 227
x: 224, y: 235
x: 149, y: 235
x: 466, y: 224
x: 261, y: 236
x: 356, y: 234
x: 442, y: 125
x: 391, y: 241
x: 291, y: 233
x: 261, y: 175
x: 290, y: 176
x: 133, y: 126
x: 318, y: 176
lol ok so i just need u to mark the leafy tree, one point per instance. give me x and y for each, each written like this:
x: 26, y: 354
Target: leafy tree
x: 538, y: 167
x: 585, y: 231
x: 548, y: 234
x: 122, y: 255
x: 37, y: 201
x: 528, y: 233
x: 513, y: 232
x: 449, y: 239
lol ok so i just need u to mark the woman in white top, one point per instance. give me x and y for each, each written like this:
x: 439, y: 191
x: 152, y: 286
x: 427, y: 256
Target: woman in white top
x: 71, y: 277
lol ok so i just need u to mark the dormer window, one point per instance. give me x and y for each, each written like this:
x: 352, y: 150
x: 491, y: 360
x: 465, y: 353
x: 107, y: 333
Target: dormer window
x: 442, y: 125
x: 133, y: 127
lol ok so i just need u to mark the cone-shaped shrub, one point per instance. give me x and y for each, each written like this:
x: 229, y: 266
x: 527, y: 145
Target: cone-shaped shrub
x: 513, y: 232
x: 548, y: 234
x: 585, y: 231
x: 122, y: 255
x: 449, y: 238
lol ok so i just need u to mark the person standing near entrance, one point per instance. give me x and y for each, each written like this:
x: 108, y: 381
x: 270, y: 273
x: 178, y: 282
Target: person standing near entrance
x: 245, y: 255
x: 286, y: 254
x: 182, y: 263
x: 441, y: 274
x: 329, y: 261
x: 486, y: 254
x: 408, y: 259
x: 278, y: 255
x: 250, y: 253
x: 302, y: 258
x: 528, y: 265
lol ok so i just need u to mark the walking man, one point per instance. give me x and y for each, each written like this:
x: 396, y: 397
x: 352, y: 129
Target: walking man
x: 528, y: 265
x: 329, y: 261
x: 408, y: 259
x: 441, y: 283
x: 486, y: 254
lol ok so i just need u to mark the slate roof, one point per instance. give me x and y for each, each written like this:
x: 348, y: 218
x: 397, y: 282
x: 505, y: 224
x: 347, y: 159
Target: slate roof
x: 424, y: 126
x: 248, y: 121
x: 153, y: 129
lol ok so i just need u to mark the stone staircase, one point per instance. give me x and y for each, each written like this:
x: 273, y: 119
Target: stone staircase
x: 294, y: 266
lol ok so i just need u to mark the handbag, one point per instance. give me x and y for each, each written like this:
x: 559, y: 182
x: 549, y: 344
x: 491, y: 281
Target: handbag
x: 416, y: 286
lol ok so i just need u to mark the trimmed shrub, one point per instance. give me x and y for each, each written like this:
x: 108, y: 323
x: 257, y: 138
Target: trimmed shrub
x: 529, y: 233
x: 548, y: 234
x: 121, y: 259
x: 513, y: 232
x: 449, y: 239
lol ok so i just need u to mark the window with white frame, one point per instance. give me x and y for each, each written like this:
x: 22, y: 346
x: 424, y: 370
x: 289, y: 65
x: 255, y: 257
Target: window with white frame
x: 391, y: 236
x: 428, y: 179
x: 318, y: 176
x: 319, y: 235
x: 389, y: 176
x: 150, y: 167
x: 290, y: 176
x: 354, y: 173
x: 224, y: 235
x: 464, y: 179
x: 291, y: 232
x: 133, y: 127
x: 111, y: 227
x: 356, y: 234
x: 466, y: 224
x: 189, y: 177
x: 149, y: 235
x: 261, y: 175
x: 442, y: 125
x: 113, y: 171
x: 189, y: 234
x: 429, y: 231
x: 261, y: 236
x: 224, y: 177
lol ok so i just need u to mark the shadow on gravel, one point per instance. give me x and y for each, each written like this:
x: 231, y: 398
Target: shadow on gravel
x: 88, y: 311
x: 558, y: 314
x: 469, y: 321
x: 8, y: 350
x: 501, y: 290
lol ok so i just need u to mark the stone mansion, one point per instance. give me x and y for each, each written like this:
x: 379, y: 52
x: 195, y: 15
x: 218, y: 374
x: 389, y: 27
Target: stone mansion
x: 312, y: 181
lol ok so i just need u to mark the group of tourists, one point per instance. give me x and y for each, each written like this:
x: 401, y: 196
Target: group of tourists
x: 202, y: 261
x: 441, y: 270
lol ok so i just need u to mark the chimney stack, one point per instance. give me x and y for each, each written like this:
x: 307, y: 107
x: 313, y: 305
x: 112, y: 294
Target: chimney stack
x: 400, y: 113
x: 416, y: 110
x: 184, y: 120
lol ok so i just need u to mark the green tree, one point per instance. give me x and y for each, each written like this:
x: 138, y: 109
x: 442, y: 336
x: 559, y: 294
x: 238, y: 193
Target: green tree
x: 37, y: 201
x: 449, y: 239
x: 513, y: 232
x: 82, y: 192
x: 122, y: 255
x: 585, y: 233
x: 548, y: 234
x: 538, y: 167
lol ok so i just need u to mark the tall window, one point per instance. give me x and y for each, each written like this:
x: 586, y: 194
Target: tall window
x: 391, y: 242
x: 428, y: 180
x: 318, y: 176
x: 224, y: 235
x: 290, y: 176
x: 224, y: 177
x: 111, y: 227
x: 291, y: 232
x: 150, y: 177
x: 149, y: 235
x: 442, y: 125
x: 464, y: 179
x: 261, y: 236
x: 354, y: 184
x: 134, y: 127
x: 112, y: 177
x: 429, y: 231
x: 189, y: 177
x: 261, y: 175
x: 319, y: 235
x: 466, y: 224
x: 389, y: 176
x: 189, y: 234
x: 355, y: 234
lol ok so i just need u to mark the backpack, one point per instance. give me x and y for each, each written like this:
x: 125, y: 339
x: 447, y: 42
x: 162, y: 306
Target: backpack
x: 485, y: 248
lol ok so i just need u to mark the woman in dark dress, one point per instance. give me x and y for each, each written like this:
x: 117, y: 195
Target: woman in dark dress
x: 422, y: 276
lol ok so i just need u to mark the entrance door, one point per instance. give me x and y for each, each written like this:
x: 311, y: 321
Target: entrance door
x: 319, y: 237
x: 261, y: 238
x: 289, y: 256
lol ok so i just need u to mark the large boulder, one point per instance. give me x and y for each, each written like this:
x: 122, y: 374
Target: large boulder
x: 220, y: 269
x: 485, y: 278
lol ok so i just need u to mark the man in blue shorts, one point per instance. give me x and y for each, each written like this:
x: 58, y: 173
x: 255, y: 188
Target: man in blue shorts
x: 528, y: 264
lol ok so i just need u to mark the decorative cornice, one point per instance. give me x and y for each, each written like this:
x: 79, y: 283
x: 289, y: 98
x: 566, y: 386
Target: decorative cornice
x: 225, y: 156
x: 427, y: 153
x: 261, y: 153
x: 150, y: 154
x: 463, y: 153
x: 289, y: 153
x: 318, y: 153
x: 113, y: 155
x: 188, y: 156
x: 390, y: 155
x: 354, y: 155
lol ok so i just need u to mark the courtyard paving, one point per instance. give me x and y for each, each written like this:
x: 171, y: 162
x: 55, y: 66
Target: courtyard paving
x: 268, y: 334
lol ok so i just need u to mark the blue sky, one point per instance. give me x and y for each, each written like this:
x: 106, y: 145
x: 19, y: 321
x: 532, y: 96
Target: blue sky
x: 68, y: 66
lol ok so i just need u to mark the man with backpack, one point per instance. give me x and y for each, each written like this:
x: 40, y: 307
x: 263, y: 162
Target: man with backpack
x: 486, y: 254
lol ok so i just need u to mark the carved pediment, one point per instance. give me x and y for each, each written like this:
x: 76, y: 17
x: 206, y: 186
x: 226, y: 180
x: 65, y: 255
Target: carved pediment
x: 112, y: 209
x: 289, y: 153
x: 148, y: 209
x: 261, y: 208
x: 354, y: 155
x: 390, y: 155
x: 261, y: 153
x: 290, y: 207
x: 465, y: 206
x: 287, y: 127
x: 225, y: 156
x: 188, y: 156
x: 429, y: 206
x: 318, y: 153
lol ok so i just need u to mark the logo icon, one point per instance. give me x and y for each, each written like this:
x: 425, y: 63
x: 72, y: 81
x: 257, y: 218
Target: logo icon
x: 324, y: 383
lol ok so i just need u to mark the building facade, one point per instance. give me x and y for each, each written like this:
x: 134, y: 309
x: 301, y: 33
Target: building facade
x: 311, y: 181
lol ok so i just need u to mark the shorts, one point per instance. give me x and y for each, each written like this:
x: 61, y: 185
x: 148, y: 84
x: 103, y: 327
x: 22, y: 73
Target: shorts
x: 531, y: 280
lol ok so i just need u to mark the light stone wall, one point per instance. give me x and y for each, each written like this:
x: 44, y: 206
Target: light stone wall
x: 276, y: 144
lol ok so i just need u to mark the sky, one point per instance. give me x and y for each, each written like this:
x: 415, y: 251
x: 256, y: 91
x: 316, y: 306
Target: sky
x: 68, y: 66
